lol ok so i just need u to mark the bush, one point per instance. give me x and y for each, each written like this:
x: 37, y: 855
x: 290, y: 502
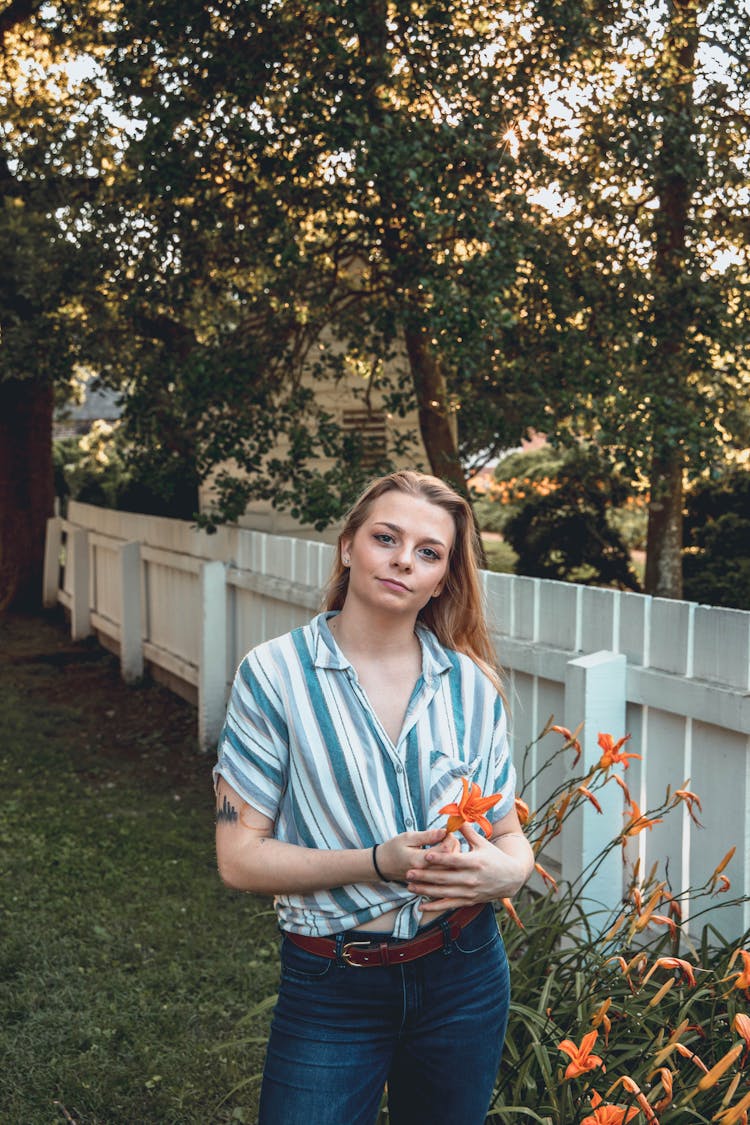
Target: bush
x: 100, y: 468
x: 716, y: 561
x: 565, y: 532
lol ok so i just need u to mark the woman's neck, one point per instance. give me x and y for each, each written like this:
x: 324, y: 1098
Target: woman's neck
x: 358, y: 631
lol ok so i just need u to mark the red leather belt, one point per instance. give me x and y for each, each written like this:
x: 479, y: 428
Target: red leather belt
x: 362, y: 954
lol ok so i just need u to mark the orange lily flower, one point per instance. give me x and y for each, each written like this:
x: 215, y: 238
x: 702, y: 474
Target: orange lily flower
x: 606, y: 1114
x: 688, y: 1054
x: 672, y: 1043
x: 722, y: 865
x: 741, y: 1024
x: 571, y: 739
x: 673, y: 963
x: 725, y: 885
x: 616, y: 925
x: 736, y: 1114
x: 636, y: 964
x: 645, y: 913
x: 659, y: 996
x: 546, y: 876
x: 522, y: 810
x: 512, y: 913
x: 581, y: 1059
x: 587, y: 793
x: 638, y: 821
x: 731, y: 1089
x: 656, y: 920
x: 633, y: 1088
x: 674, y: 908
x: 690, y: 799
x: 741, y: 979
x: 722, y: 1066
x: 612, y: 754
x: 561, y: 807
x: 470, y: 807
x: 616, y: 777
x: 666, y: 1079
x: 601, y: 1019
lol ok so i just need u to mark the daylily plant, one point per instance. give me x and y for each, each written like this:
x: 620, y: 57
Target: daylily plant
x: 669, y: 1008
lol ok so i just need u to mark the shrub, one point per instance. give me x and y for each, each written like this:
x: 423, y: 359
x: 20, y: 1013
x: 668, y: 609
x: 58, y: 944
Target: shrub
x: 100, y: 468
x: 564, y: 531
x: 716, y: 561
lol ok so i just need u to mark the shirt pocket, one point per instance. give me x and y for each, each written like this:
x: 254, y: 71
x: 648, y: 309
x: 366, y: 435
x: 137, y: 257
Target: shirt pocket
x: 446, y: 773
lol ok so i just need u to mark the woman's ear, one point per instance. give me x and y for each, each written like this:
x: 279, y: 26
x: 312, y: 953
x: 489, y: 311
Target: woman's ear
x: 345, y: 547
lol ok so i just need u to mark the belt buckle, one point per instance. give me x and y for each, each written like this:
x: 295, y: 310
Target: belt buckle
x: 345, y: 953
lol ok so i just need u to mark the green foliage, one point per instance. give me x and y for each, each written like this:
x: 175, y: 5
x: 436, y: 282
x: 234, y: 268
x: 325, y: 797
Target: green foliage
x: 103, y: 468
x: 564, y: 531
x: 501, y: 558
x: 367, y: 188
x: 575, y: 971
x: 716, y: 563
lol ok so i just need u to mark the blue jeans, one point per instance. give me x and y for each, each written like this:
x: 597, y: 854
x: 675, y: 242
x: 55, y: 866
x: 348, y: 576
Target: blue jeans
x: 432, y: 1029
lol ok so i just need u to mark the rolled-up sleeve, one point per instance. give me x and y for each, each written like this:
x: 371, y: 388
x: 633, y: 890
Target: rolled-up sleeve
x: 253, y: 751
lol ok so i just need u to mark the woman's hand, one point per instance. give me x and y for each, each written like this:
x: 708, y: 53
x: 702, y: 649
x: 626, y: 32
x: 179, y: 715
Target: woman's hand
x: 406, y: 852
x: 449, y: 878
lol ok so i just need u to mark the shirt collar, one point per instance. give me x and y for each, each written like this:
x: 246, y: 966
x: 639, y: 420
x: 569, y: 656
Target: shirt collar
x: 435, y: 659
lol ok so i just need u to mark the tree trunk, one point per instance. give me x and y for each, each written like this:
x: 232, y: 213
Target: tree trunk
x: 27, y: 489
x: 663, y: 576
x: 436, y: 424
x: 674, y: 183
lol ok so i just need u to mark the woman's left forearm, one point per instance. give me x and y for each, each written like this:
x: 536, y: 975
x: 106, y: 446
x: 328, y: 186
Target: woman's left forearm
x: 516, y: 847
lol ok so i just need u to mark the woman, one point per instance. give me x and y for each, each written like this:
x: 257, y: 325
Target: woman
x: 343, y: 742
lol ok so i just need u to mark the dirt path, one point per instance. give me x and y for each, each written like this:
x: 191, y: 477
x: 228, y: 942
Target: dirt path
x: 117, y: 726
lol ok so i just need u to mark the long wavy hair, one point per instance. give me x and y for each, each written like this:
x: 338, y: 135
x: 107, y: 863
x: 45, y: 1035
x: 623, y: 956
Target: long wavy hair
x: 456, y: 616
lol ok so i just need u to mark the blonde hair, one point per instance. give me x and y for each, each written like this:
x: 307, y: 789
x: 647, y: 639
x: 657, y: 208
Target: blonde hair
x: 456, y: 616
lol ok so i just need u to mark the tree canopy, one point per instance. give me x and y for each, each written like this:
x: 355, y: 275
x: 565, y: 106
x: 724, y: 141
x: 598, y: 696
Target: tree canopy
x: 507, y: 217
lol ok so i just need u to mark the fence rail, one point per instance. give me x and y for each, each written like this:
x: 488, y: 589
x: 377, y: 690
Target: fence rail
x: 188, y: 605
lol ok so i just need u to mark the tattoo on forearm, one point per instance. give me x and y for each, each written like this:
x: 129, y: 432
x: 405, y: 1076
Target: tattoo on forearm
x: 227, y: 814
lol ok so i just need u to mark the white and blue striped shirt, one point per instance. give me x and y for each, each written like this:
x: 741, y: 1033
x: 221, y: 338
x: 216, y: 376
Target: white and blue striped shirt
x: 303, y: 746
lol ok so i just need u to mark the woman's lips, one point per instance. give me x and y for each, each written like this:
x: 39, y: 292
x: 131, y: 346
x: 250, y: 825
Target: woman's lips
x: 394, y: 584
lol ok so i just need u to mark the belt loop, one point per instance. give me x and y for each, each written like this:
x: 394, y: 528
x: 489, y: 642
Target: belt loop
x: 447, y: 939
x: 340, y: 950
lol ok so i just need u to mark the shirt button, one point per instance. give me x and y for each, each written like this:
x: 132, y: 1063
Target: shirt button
x: 399, y: 769
x: 409, y: 822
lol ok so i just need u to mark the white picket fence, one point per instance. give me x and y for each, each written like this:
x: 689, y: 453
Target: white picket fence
x: 675, y: 675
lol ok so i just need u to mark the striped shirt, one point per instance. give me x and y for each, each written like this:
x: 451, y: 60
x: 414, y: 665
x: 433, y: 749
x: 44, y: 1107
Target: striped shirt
x: 303, y: 746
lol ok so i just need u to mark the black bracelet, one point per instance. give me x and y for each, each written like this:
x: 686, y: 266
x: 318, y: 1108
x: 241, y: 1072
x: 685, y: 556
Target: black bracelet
x: 379, y: 873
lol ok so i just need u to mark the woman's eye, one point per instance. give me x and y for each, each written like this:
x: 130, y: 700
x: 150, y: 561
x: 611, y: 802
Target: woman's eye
x: 428, y: 553
x: 384, y: 537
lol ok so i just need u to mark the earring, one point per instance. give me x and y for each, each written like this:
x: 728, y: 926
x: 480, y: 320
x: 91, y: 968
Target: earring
x: 346, y: 560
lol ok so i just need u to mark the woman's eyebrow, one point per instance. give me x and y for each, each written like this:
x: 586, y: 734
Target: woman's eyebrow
x: 400, y: 531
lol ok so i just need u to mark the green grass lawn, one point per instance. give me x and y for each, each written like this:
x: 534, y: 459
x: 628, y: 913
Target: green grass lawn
x: 126, y: 968
x: 500, y: 555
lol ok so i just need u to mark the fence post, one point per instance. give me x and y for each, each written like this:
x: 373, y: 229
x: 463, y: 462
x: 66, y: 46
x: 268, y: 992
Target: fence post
x: 52, y: 548
x: 595, y: 693
x: 131, y: 614
x: 212, y: 669
x: 78, y: 560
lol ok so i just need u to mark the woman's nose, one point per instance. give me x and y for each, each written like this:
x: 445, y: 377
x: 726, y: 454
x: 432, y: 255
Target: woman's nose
x: 402, y: 558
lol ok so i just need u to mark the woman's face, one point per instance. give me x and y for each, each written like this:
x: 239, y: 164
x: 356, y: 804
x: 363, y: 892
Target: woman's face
x: 398, y: 558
